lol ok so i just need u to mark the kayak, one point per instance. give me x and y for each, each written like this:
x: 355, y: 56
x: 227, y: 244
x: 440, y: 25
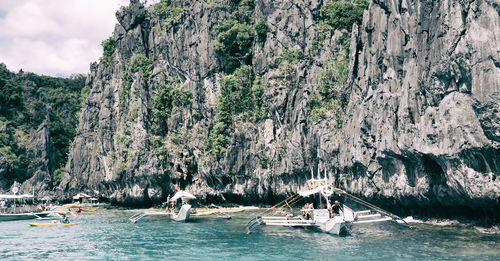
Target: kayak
x: 51, y: 224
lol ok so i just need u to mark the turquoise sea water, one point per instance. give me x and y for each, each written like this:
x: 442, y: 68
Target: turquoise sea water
x: 109, y: 235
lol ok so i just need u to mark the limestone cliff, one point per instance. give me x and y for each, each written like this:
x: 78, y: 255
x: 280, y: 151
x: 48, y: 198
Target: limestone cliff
x: 423, y: 114
x: 418, y: 125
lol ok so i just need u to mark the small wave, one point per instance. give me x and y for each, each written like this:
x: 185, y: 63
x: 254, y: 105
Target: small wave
x: 410, y: 219
x: 495, y: 230
x: 442, y: 222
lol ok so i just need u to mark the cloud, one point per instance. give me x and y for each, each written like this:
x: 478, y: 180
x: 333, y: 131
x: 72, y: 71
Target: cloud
x: 54, y: 37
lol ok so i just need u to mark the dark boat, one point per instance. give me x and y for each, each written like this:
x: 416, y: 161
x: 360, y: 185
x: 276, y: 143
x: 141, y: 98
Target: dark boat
x: 22, y: 216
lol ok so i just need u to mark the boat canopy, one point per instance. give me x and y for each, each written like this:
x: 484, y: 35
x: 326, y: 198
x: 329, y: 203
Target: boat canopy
x: 183, y: 195
x: 307, y: 193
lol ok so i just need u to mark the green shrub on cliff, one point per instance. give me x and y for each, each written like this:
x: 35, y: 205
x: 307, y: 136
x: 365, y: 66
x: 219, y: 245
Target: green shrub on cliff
x: 125, y: 88
x: 244, y: 10
x: 234, y: 43
x: 235, y: 35
x: 84, y: 94
x: 345, y: 41
x: 287, y: 62
x: 162, y: 8
x: 109, y: 46
x: 140, y: 61
x: 259, y: 109
x: 121, y: 167
x: 165, y: 11
x: 167, y: 97
x: 58, y: 175
x: 217, y: 139
x: 324, y: 103
x: 261, y: 32
x: 240, y: 99
x: 332, y: 77
x: 342, y: 14
x: 236, y: 88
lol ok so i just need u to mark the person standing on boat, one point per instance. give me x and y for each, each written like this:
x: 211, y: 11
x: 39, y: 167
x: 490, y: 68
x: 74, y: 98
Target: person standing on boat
x: 336, y: 208
x: 167, y: 203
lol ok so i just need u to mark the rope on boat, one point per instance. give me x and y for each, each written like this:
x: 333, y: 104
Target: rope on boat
x: 292, y: 202
x: 292, y: 198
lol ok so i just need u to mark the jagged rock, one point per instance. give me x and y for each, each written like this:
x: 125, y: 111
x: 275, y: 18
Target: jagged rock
x: 131, y: 16
x: 5, y: 167
x: 421, y: 108
x: 423, y: 125
x: 41, y: 181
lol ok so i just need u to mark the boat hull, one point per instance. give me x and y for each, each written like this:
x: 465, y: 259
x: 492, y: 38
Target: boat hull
x: 336, y: 226
x: 22, y: 216
x: 183, y: 214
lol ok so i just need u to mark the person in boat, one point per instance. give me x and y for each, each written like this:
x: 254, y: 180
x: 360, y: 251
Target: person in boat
x: 172, y: 206
x: 65, y: 220
x: 168, y: 204
x: 336, y: 208
x: 306, y: 207
x: 308, y: 210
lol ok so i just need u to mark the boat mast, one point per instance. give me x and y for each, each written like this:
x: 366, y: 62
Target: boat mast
x: 319, y: 178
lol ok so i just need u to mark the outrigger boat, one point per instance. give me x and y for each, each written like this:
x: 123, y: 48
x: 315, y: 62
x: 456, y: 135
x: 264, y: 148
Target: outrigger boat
x: 181, y: 216
x: 23, y: 216
x: 322, y: 219
x: 19, y: 213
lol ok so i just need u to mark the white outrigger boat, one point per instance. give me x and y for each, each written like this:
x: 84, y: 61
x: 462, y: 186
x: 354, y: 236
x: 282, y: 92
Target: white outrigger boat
x: 323, y: 219
x: 23, y: 212
x: 181, y: 216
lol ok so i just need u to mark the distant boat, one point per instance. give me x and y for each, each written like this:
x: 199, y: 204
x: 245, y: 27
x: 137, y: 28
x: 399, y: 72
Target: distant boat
x: 181, y: 216
x: 10, y: 214
x: 23, y: 216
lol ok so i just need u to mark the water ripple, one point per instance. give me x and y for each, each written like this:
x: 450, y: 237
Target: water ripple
x: 109, y: 235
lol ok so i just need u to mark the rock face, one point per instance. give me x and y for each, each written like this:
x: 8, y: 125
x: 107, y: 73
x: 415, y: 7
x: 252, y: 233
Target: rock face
x: 5, y: 167
x: 421, y: 121
x: 41, y: 181
x: 423, y: 104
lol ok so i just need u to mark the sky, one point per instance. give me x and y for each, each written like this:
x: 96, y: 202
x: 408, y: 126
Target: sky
x: 55, y: 37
